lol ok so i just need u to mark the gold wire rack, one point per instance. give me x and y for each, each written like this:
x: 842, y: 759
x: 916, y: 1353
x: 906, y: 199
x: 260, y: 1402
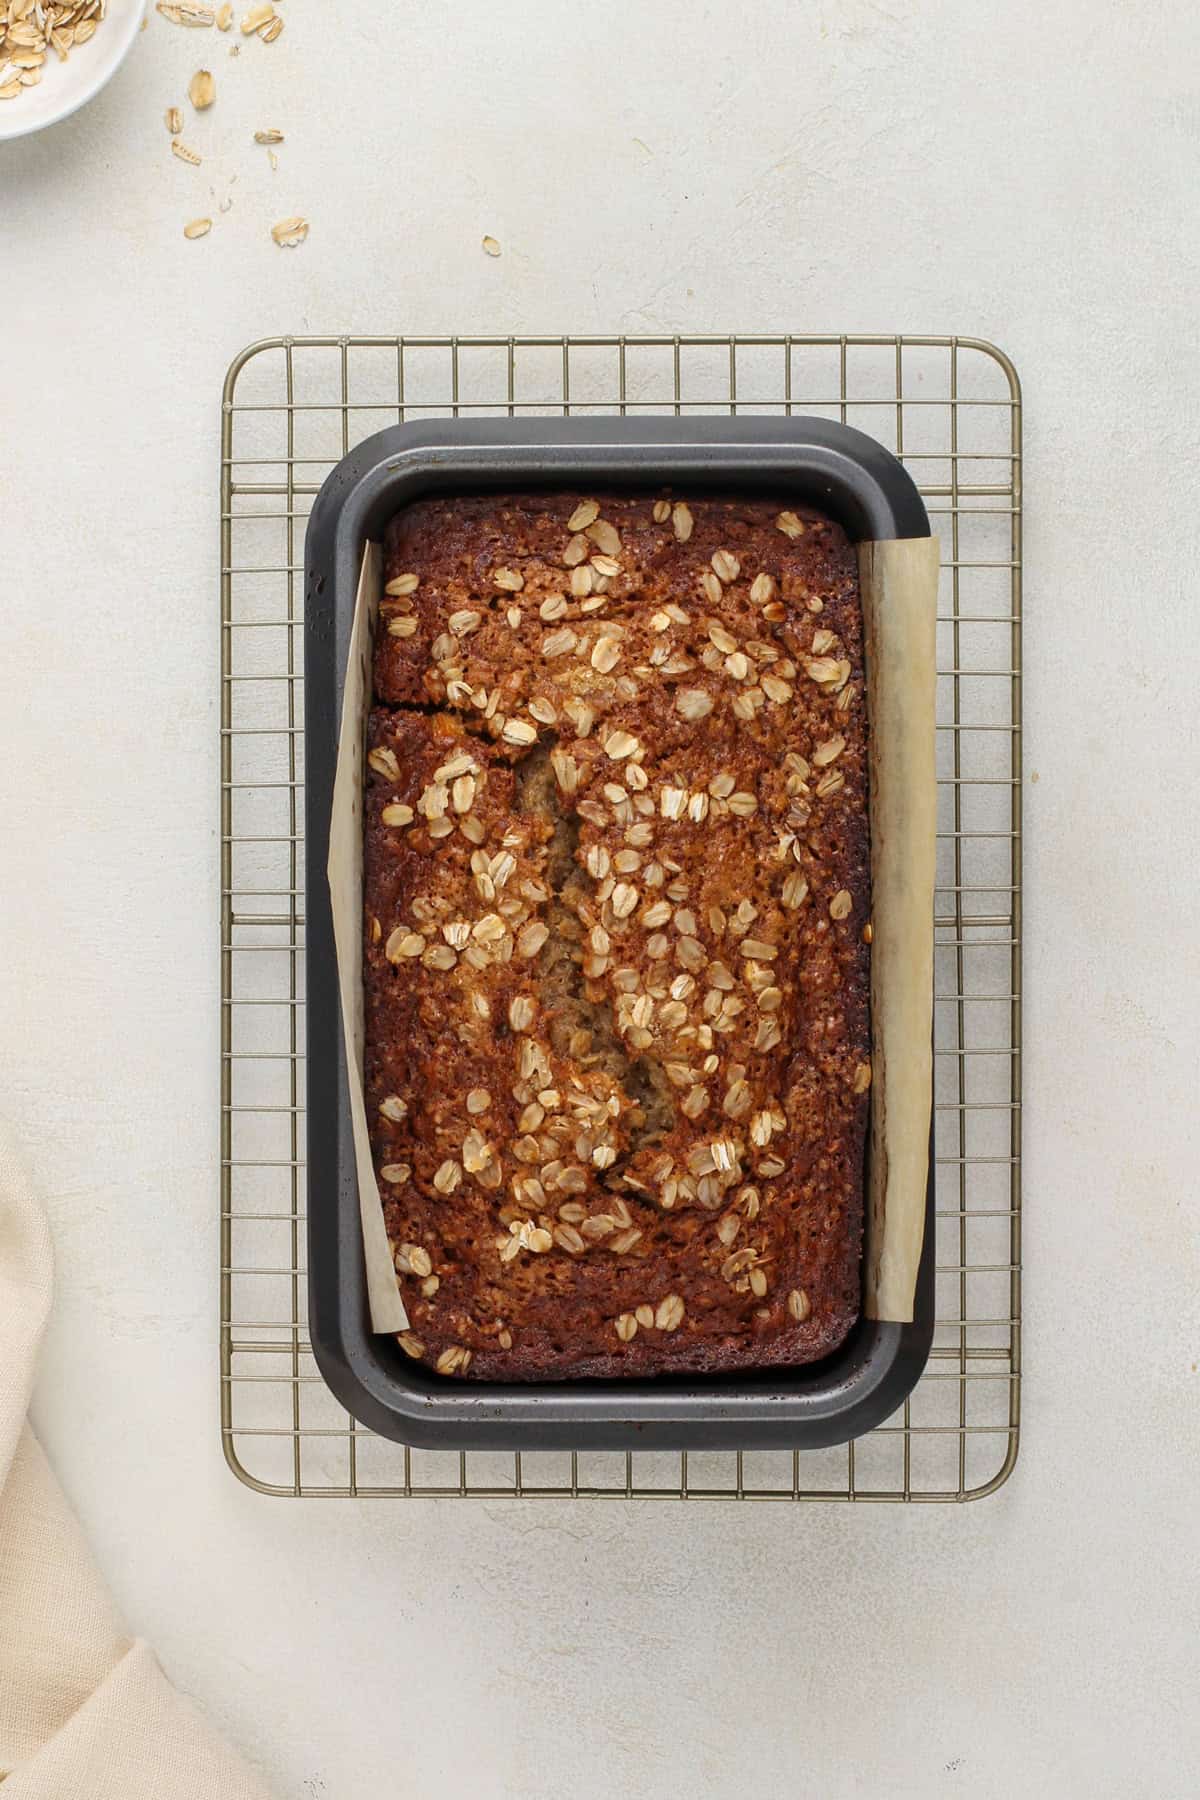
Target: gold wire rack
x: 950, y: 408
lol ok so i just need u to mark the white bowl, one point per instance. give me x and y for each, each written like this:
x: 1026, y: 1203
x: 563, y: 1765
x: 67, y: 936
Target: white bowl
x: 66, y: 86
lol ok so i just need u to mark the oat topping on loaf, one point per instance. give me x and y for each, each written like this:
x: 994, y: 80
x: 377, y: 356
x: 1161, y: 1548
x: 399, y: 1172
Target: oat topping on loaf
x: 616, y: 893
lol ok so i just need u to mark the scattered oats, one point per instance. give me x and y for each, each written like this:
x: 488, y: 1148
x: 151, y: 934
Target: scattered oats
x: 624, y: 899
x: 383, y: 761
x: 661, y: 511
x: 397, y: 814
x: 202, y: 90
x: 531, y: 938
x: 402, y: 584
x: 681, y: 521
x: 576, y: 551
x: 620, y: 744
x: 173, y: 120
x: 737, y: 1100
x: 197, y: 228
x: 184, y: 154
x: 559, y: 643
x: 758, y: 1283
x: 830, y: 782
x: 669, y: 1315
x: 585, y: 514
x: 581, y: 582
x: 568, y: 1239
x: 795, y: 890
x: 403, y: 943
x: 395, y: 1174
x: 290, y: 232
x: 271, y: 30
x: 606, y: 537
x: 840, y: 905
x: 762, y: 589
x: 225, y: 16
x: 825, y: 670
x: 737, y: 666
x: 757, y: 950
x: 462, y: 794
x: 606, y: 654
x: 185, y: 12
x: 461, y: 764
x: 712, y: 588
x: 510, y: 580
x: 798, y: 1304
x: 408, y: 1341
x: 519, y: 731
x: 413, y: 1259
x: 625, y: 1326
x: 698, y: 808
x: 775, y: 689
x: 743, y: 805
x: 829, y: 751
x: 256, y: 18
x: 726, y: 565
x: 491, y: 247
x: 566, y: 770
x: 394, y: 1108
x: 790, y: 525
x: 521, y: 1010
x: 607, y: 566
x: 693, y: 703
x: 453, y: 1358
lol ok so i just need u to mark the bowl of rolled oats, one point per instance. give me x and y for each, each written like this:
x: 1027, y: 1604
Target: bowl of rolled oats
x: 56, y: 54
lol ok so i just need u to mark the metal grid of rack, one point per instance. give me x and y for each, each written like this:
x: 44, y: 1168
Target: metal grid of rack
x: 950, y: 408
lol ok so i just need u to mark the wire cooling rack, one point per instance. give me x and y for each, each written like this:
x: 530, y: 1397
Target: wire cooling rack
x: 950, y: 407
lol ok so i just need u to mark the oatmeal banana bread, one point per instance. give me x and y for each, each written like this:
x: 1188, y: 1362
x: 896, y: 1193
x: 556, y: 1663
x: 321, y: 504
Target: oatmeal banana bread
x: 616, y: 888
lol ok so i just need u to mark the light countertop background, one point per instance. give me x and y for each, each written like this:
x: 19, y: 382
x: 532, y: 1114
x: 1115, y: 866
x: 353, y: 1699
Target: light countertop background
x: 1013, y: 170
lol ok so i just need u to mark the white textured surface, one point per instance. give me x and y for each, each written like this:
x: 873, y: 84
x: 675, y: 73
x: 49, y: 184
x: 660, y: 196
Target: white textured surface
x: 1022, y: 172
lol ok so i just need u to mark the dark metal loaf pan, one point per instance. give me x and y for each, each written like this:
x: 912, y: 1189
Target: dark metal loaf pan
x: 856, y: 481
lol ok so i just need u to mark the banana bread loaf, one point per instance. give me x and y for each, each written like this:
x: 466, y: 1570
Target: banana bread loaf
x: 616, y: 886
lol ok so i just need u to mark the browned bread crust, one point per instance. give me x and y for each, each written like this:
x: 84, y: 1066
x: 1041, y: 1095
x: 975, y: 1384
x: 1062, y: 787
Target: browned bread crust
x: 617, y: 893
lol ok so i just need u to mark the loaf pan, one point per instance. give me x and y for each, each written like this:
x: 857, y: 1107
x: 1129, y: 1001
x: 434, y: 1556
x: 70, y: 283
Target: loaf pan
x: 854, y: 480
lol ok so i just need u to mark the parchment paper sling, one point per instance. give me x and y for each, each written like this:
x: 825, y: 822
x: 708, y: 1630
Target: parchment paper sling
x: 898, y: 579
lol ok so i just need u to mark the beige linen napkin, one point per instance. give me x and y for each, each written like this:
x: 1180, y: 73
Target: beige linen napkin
x: 84, y: 1709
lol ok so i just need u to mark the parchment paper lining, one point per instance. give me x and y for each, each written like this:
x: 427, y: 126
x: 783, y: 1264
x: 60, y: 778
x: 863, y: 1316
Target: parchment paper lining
x: 898, y: 583
x: 345, y: 870
x: 899, y: 600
